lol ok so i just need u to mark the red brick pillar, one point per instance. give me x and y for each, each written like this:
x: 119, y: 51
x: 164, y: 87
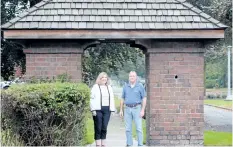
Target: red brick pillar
x: 175, y: 114
x: 50, y: 60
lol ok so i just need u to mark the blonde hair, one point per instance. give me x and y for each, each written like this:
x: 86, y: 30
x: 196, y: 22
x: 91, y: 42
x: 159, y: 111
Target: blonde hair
x: 98, y: 80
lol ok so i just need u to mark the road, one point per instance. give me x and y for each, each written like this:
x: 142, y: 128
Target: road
x: 217, y: 119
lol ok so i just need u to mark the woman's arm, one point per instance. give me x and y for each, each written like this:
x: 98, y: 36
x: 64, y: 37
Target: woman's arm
x: 113, y: 99
x: 93, y: 91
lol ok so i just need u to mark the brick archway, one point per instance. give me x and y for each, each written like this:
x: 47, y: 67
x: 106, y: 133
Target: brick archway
x: 175, y: 82
x: 173, y: 35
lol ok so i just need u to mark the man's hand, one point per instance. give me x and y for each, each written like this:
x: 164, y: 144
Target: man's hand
x: 142, y: 113
x: 94, y: 113
x: 121, y: 114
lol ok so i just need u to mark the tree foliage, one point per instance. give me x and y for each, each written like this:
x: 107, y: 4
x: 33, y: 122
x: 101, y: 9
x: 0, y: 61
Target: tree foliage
x: 107, y: 57
x: 11, y: 53
x: 216, y: 53
x: 222, y: 11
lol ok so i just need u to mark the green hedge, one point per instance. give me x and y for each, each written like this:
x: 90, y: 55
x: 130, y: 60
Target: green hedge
x: 46, y: 114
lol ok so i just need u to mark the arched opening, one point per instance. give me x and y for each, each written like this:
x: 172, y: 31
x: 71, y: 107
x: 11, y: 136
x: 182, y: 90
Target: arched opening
x: 117, y: 58
x: 113, y: 56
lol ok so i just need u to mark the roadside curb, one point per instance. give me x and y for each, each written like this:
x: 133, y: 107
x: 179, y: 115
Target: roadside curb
x: 219, y: 107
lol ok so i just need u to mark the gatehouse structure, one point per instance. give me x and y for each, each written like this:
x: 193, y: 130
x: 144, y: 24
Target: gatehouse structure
x: 172, y: 33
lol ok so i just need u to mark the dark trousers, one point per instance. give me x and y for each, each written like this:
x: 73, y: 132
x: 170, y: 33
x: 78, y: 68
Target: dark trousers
x: 101, y: 122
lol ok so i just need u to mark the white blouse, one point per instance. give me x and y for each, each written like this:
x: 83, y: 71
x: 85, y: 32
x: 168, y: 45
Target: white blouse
x: 105, y: 95
x: 95, y: 101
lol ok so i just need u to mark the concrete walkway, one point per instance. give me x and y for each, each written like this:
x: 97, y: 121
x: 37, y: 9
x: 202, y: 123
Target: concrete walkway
x: 116, y: 133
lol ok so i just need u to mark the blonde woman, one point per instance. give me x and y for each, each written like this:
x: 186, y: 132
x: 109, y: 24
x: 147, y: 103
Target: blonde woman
x: 102, y: 104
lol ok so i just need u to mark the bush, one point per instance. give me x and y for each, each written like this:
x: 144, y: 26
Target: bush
x: 59, y: 78
x: 218, y: 96
x: 224, y: 96
x: 47, y: 114
x: 211, y: 96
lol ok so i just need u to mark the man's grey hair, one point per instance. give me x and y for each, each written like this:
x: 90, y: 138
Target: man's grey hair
x: 133, y: 72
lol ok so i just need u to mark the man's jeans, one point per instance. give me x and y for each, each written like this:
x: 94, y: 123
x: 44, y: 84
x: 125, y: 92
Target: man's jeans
x: 131, y: 114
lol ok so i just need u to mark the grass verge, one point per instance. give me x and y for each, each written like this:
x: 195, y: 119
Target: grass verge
x: 211, y: 138
x: 219, y: 103
x: 217, y: 90
x: 117, y: 103
x: 89, y: 137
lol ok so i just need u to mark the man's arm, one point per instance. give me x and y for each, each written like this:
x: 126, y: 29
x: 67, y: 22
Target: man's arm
x: 121, y: 108
x: 144, y: 104
x: 121, y: 104
x: 142, y: 113
x: 143, y: 95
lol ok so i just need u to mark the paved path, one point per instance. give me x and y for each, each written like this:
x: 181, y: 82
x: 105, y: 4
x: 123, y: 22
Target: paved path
x: 116, y: 133
x: 217, y: 119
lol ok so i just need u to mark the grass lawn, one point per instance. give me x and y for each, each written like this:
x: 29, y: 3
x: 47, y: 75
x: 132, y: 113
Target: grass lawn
x: 220, y: 103
x: 117, y: 104
x: 224, y: 90
x: 211, y: 138
x: 89, y: 138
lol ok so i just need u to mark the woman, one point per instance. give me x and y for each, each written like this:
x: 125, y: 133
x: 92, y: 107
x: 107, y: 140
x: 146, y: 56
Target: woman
x: 102, y: 104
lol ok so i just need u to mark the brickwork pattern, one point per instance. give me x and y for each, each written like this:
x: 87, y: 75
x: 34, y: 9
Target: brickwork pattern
x: 43, y: 63
x: 175, y: 95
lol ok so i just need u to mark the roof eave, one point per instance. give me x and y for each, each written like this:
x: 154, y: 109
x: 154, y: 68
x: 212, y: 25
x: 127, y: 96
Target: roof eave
x: 114, y: 34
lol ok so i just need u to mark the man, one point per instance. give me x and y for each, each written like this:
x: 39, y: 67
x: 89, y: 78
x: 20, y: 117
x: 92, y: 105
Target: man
x: 134, y: 98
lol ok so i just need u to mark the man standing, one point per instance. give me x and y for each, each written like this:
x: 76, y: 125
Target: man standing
x: 134, y: 98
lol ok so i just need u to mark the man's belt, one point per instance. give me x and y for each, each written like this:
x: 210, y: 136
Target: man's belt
x: 132, y: 105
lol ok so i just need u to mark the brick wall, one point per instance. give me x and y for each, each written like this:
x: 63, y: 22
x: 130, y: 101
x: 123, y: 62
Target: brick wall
x: 43, y: 62
x: 175, y: 95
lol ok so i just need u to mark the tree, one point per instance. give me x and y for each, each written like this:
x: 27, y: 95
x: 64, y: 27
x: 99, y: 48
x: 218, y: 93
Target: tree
x: 11, y: 53
x: 216, y: 53
x: 222, y: 11
x: 107, y: 57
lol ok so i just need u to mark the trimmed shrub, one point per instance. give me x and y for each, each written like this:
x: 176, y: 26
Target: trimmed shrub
x: 218, y: 96
x: 47, y: 114
x: 211, y: 96
x: 59, y: 78
x: 224, y: 96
